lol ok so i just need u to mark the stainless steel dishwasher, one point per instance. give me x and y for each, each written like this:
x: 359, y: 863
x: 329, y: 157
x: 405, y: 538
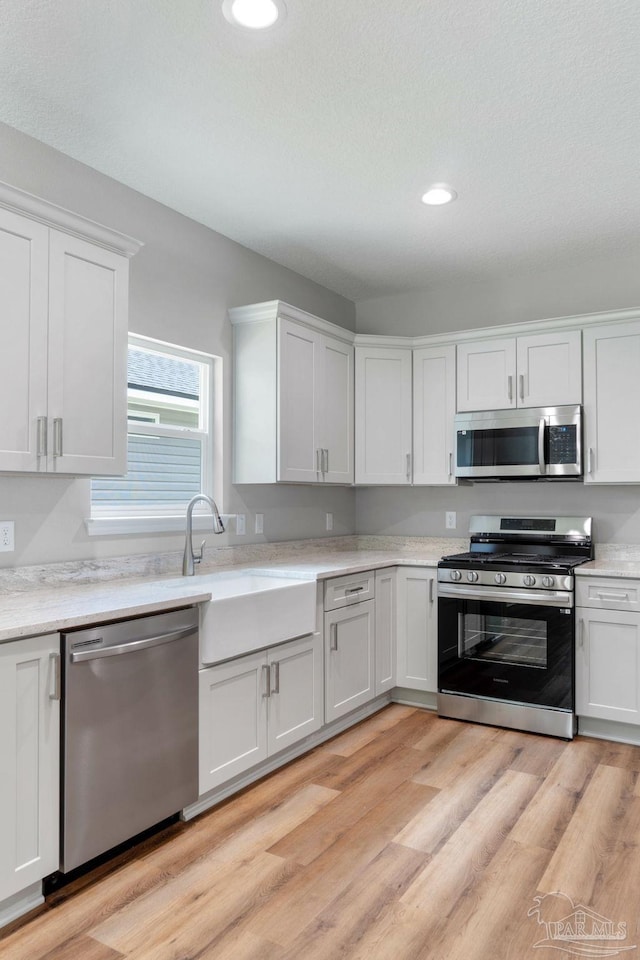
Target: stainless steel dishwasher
x: 130, y: 730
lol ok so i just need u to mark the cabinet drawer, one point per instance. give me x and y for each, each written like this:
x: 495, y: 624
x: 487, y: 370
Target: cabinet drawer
x: 607, y: 593
x: 343, y: 591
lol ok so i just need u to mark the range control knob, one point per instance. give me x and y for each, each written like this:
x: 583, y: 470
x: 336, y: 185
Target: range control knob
x: 456, y: 575
x: 548, y: 581
x: 529, y: 580
x: 472, y: 576
x: 500, y: 578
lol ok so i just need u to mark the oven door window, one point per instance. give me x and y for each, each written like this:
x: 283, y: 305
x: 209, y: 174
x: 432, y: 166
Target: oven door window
x: 504, y: 639
x: 520, y: 652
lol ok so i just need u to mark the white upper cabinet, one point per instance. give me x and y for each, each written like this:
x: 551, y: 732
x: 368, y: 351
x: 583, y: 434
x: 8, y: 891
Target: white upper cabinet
x: 434, y: 406
x: 64, y: 340
x: 293, y: 397
x: 538, y: 370
x: 612, y: 403
x: 383, y: 415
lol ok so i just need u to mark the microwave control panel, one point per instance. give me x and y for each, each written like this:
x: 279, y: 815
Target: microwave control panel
x: 563, y: 444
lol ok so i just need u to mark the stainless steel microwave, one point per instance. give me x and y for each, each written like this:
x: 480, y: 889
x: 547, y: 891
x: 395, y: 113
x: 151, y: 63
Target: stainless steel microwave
x: 539, y: 443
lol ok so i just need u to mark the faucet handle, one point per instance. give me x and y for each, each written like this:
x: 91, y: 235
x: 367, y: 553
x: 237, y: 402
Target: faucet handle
x: 197, y: 557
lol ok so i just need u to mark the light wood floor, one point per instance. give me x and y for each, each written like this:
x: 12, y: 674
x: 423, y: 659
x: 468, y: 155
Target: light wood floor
x: 408, y: 837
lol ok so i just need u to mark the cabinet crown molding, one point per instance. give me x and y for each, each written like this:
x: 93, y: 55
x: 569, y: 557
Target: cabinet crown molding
x: 501, y: 331
x: 271, y: 310
x: 27, y: 204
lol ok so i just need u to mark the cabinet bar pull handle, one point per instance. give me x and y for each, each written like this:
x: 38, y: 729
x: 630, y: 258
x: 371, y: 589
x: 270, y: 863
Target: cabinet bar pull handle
x: 409, y: 466
x: 57, y: 436
x: 541, y: 429
x: 325, y: 468
x: 276, y: 665
x: 521, y: 381
x: 510, y: 387
x: 54, y: 667
x: 41, y: 437
x: 590, y: 460
x: 333, y: 636
x: 431, y: 590
x: 353, y: 589
x: 450, y: 463
x: 613, y: 596
x: 266, y: 676
x: 318, y: 460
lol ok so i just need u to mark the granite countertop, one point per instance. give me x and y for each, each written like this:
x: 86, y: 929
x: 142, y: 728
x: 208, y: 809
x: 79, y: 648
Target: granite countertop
x: 610, y: 567
x: 42, y: 600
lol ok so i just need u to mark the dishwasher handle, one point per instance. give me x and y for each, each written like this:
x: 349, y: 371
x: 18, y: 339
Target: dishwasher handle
x: 131, y: 646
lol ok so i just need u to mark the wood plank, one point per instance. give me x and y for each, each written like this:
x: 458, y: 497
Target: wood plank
x: 535, y: 755
x: 544, y: 821
x: 585, y: 850
x: 341, y: 926
x: 450, y: 763
x: 308, y: 892
x: 318, y: 833
x: 347, y: 743
x: 460, y: 862
x: 81, y: 948
x: 432, y: 826
x: 193, y: 912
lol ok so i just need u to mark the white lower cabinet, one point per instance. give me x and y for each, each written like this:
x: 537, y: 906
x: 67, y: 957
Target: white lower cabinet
x: 417, y: 625
x: 608, y: 664
x: 349, y: 658
x: 30, y: 761
x: 255, y: 706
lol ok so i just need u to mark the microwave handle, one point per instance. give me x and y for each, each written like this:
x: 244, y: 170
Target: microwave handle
x: 541, y: 428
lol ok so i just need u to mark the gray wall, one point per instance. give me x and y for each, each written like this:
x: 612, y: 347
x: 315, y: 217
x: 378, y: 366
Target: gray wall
x: 182, y: 282
x: 612, y: 282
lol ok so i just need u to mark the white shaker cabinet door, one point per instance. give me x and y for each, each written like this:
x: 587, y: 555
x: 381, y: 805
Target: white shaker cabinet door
x: 233, y: 719
x: 24, y: 266
x: 417, y: 628
x: 434, y: 407
x: 30, y: 761
x: 611, y: 403
x: 549, y: 369
x: 608, y: 664
x: 299, y: 456
x: 486, y: 375
x: 88, y: 305
x: 383, y: 416
x: 336, y: 402
x: 349, y: 658
x: 296, y: 705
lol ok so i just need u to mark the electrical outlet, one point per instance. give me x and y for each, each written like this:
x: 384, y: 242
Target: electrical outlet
x: 240, y: 524
x: 450, y: 520
x: 7, y: 543
x: 329, y: 521
x: 259, y: 523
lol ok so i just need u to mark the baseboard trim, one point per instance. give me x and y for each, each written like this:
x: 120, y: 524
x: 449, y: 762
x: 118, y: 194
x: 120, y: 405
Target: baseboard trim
x: 609, y: 730
x: 20, y: 903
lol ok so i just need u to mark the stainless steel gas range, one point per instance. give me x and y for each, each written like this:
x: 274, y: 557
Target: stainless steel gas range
x: 506, y: 623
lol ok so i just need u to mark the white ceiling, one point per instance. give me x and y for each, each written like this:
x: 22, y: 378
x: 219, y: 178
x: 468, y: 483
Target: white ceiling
x: 313, y: 142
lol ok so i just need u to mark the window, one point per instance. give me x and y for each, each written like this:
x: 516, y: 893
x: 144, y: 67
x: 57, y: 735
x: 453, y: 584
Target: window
x: 170, y: 444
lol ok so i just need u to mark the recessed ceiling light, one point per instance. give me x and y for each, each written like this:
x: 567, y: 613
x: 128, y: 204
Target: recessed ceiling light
x: 439, y: 193
x: 254, y: 14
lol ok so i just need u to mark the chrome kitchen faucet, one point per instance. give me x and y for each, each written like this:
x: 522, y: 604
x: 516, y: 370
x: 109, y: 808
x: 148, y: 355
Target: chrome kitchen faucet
x: 190, y: 558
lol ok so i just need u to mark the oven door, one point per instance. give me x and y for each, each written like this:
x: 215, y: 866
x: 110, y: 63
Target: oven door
x: 506, y: 649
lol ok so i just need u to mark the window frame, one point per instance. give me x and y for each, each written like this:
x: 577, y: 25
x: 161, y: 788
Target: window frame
x: 209, y: 432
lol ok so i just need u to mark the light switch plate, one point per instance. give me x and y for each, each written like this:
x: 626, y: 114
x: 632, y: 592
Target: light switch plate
x: 450, y: 520
x: 240, y: 524
x: 329, y: 521
x: 259, y: 523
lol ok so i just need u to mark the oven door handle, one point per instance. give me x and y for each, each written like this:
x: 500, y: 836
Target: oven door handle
x: 546, y: 598
x: 541, y: 462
